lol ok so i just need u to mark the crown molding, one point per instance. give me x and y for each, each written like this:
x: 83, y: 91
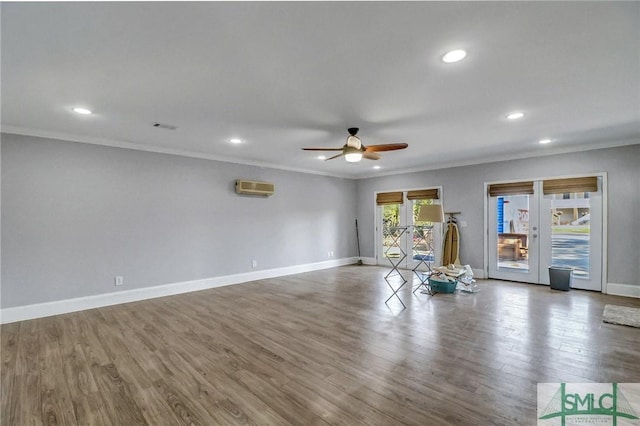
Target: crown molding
x: 192, y: 154
x: 507, y: 157
x: 148, y: 148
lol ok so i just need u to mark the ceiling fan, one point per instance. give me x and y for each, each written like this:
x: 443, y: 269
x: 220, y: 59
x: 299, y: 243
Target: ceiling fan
x: 354, y: 150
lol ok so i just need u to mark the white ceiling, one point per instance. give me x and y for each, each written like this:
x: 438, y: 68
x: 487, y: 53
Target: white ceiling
x: 282, y: 76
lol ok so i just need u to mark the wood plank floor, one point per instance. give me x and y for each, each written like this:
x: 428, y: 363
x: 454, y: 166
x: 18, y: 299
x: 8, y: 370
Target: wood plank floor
x: 313, y: 349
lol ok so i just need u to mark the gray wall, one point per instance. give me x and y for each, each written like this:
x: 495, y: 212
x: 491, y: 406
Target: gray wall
x: 463, y: 189
x: 75, y: 215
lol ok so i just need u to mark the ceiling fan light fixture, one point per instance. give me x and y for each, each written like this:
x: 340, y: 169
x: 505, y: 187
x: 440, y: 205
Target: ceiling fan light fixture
x: 352, y: 155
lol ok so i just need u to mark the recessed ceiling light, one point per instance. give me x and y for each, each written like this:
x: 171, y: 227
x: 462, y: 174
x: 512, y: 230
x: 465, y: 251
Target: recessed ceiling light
x: 376, y: 167
x: 322, y: 157
x: 82, y: 111
x: 454, y: 56
x: 543, y: 141
x: 235, y: 141
x: 515, y: 115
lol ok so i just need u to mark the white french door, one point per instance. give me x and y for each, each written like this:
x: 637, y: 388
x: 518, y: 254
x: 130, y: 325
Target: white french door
x: 400, y: 233
x: 572, y: 225
x: 528, y: 233
x: 513, y: 237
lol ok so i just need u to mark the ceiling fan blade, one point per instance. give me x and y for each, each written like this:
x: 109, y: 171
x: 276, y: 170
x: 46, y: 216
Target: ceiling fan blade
x: 371, y: 155
x: 322, y: 149
x: 335, y: 156
x: 386, y: 147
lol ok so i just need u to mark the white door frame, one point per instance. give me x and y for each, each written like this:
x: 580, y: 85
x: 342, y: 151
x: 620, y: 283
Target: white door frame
x: 605, y: 218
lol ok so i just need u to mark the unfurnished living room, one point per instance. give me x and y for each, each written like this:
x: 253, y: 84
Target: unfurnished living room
x: 320, y: 213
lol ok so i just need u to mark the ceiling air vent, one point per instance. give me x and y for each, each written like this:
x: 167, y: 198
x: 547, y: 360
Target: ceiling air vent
x: 164, y: 126
x: 249, y: 187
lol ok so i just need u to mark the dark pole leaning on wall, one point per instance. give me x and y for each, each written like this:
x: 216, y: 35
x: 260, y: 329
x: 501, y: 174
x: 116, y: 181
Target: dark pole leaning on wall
x: 358, y: 241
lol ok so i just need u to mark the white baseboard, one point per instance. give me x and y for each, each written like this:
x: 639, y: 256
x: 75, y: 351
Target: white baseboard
x: 626, y: 290
x: 369, y: 261
x: 40, y: 310
x: 479, y: 273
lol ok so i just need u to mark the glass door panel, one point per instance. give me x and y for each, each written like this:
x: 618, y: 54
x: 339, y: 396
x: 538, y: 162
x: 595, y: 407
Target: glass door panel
x: 390, y: 219
x: 570, y: 232
x: 513, y: 232
x: 427, y: 238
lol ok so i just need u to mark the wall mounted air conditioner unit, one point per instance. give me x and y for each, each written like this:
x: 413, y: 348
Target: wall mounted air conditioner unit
x: 249, y: 187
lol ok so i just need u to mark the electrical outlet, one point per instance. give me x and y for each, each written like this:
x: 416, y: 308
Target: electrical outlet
x: 119, y: 280
x: 331, y: 253
x: 254, y: 263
